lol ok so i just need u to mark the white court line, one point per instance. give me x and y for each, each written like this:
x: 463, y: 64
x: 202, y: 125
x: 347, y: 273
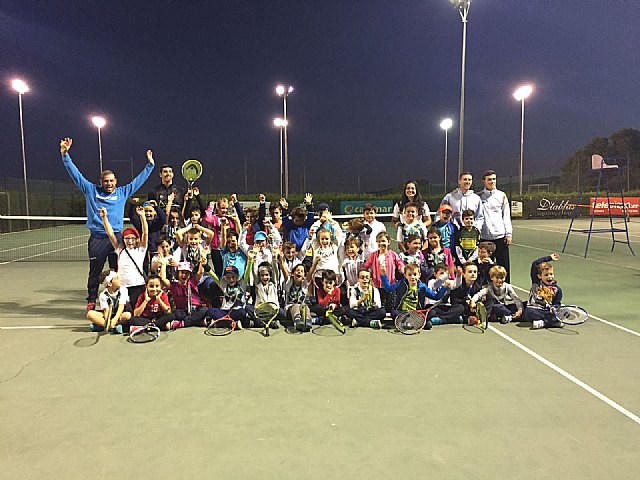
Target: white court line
x: 581, y: 257
x: 624, y: 329
x: 43, y: 254
x: 44, y: 327
x: 568, y: 376
x: 601, y: 235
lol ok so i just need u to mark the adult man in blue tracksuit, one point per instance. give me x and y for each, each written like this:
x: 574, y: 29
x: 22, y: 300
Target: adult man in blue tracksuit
x: 106, y: 195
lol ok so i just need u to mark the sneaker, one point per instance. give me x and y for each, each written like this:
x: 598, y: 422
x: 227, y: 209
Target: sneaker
x: 472, y: 320
x: 316, y: 321
x: 435, y: 321
x: 537, y: 324
x: 94, y: 327
x: 239, y: 325
x: 117, y: 330
x: 377, y: 324
x: 506, y: 319
x: 91, y: 305
x: 429, y: 324
x: 177, y: 324
x: 274, y: 324
x: 354, y: 323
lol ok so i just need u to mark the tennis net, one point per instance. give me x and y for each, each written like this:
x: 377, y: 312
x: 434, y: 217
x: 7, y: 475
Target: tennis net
x: 42, y: 239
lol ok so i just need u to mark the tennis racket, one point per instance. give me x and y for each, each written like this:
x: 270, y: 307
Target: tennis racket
x: 221, y: 326
x: 335, y: 321
x: 266, y: 313
x: 570, y: 314
x: 412, y: 321
x: 191, y: 171
x: 481, y: 313
x: 146, y: 334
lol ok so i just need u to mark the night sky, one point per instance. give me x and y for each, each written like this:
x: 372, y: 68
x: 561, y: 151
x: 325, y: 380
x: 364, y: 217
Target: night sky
x: 372, y: 81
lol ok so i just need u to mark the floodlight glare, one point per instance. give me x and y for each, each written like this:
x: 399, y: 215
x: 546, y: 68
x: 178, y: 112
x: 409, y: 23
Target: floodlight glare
x: 280, y: 89
x: 99, y: 121
x: 280, y: 122
x: 446, y: 124
x: 523, y: 92
x: 19, y: 86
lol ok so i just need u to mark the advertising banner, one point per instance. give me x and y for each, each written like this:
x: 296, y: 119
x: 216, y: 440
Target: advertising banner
x: 354, y: 207
x: 600, y: 206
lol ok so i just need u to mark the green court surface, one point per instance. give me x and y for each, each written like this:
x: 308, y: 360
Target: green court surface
x: 448, y: 403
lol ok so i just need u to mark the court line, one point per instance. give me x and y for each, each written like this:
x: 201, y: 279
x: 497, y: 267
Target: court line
x: 42, y: 254
x: 600, y: 235
x: 48, y: 242
x: 580, y: 257
x: 568, y: 376
x: 34, y: 327
x: 624, y: 329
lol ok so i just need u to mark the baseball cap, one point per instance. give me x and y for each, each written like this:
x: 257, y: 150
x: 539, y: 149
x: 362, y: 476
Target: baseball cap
x: 130, y: 231
x: 182, y: 266
x: 231, y: 269
x: 322, y: 207
x: 260, y: 235
x: 445, y: 206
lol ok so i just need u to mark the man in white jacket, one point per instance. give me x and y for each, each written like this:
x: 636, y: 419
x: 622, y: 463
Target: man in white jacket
x: 497, y: 220
x: 463, y: 198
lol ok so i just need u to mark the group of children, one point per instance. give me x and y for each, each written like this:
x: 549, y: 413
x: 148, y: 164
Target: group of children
x: 187, y: 268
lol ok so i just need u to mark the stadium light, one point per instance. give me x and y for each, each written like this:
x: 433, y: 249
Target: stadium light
x: 284, y: 92
x: 521, y: 94
x: 446, y: 124
x: 99, y: 122
x: 21, y: 87
x: 281, y: 123
x: 463, y: 9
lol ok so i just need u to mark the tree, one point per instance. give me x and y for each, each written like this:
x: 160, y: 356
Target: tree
x: 575, y: 171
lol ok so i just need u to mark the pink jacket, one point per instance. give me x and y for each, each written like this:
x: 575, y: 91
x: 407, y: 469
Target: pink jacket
x: 373, y: 264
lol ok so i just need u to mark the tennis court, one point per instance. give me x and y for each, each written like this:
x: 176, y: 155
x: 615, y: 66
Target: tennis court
x: 448, y: 403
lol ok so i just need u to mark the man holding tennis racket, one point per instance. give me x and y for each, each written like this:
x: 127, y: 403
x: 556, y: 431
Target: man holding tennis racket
x: 161, y: 192
x: 111, y: 197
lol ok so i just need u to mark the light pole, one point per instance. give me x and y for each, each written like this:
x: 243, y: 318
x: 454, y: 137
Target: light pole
x: 281, y: 123
x: 463, y: 8
x: 21, y: 87
x: 520, y: 94
x: 446, y: 124
x: 99, y: 122
x: 284, y: 92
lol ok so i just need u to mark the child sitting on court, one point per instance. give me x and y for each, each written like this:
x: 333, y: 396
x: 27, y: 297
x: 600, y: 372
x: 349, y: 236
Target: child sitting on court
x: 152, y: 306
x: 112, y: 301
x: 328, y: 297
x: 411, y: 293
x: 439, y: 277
x: 485, y: 262
x: 131, y: 254
x: 413, y: 225
x: 296, y: 297
x: 467, y: 240
x: 234, y: 292
x: 544, y: 295
x: 501, y: 300
x: 365, y: 307
x: 459, y: 308
x: 189, y: 308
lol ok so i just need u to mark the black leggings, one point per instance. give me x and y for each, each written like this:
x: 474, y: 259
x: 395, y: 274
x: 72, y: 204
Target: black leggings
x: 160, y: 322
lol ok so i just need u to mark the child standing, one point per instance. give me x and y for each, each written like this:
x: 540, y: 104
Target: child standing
x: 545, y: 294
x: 413, y: 254
x: 412, y: 226
x: 502, y: 301
x: 299, y: 222
x: 435, y: 253
x: 467, y: 239
x: 445, y: 224
x: 387, y: 259
x: 370, y: 243
x: 131, y: 255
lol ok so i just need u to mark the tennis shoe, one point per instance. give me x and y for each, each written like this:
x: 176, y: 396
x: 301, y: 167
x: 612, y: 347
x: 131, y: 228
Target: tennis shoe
x: 177, y: 324
x: 91, y: 305
x: 239, y: 325
x: 428, y: 325
x: 506, y: 319
x: 435, y: 321
x: 354, y: 323
x: 117, y: 330
x: 472, y: 320
x: 274, y: 324
x: 537, y: 324
x: 94, y: 327
x: 377, y: 324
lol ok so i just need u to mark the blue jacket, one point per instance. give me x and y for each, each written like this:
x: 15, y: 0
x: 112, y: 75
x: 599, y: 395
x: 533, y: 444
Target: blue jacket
x: 97, y: 198
x: 401, y: 286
